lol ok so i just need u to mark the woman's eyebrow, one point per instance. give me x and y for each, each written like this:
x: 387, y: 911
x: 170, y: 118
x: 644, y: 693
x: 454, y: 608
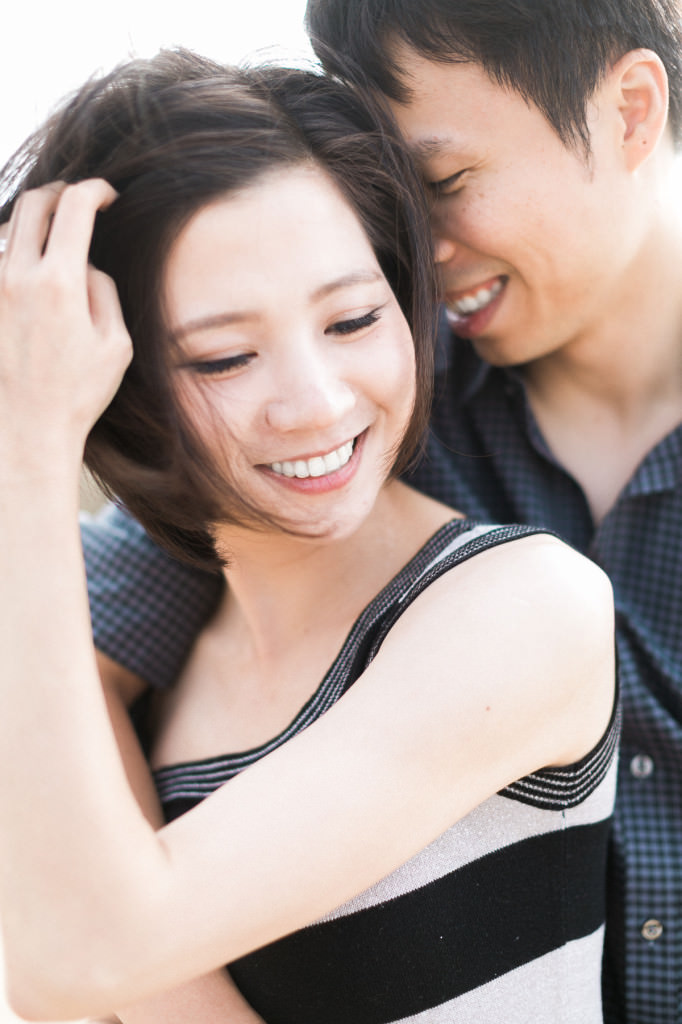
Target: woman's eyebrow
x: 206, y: 323
x: 346, y: 281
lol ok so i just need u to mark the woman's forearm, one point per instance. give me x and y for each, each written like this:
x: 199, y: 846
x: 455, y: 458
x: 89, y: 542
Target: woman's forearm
x: 56, y: 625
x: 213, y: 998
x: 48, y: 676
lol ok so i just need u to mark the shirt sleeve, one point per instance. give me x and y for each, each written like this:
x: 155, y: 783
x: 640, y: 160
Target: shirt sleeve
x: 146, y: 607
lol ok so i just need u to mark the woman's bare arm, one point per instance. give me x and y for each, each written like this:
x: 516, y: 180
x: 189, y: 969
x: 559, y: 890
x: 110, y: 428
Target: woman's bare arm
x: 212, y: 998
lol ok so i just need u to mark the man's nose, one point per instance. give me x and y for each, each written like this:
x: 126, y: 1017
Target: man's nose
x: 443, y: 247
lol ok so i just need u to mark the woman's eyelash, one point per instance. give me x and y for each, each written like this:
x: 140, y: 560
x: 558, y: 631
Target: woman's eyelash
x: 211, y: 367
x: 215, y: 367
x: 356, y: 324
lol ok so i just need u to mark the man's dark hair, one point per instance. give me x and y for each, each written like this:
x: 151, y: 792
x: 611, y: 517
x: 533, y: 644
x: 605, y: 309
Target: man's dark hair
x: 554, y: 53
x: 171, y: 135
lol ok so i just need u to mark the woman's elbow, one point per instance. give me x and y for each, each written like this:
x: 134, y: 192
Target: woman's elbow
x: 44, y: 984
x: 36, y: 995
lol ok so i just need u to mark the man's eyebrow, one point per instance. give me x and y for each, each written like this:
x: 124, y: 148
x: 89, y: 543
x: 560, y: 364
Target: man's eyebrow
x: 346, y: 281
x: 424, y: 149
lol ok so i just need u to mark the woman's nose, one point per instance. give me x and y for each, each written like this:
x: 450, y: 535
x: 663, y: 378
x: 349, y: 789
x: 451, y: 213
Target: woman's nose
x: 310, y: 394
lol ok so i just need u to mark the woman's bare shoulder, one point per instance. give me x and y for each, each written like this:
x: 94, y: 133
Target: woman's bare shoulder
x: 528, y: 624
x: 533, y: 582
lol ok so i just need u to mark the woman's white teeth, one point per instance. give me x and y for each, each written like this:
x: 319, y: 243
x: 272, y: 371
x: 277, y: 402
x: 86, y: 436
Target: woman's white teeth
x: 320, y: 465
x: 473, y: 303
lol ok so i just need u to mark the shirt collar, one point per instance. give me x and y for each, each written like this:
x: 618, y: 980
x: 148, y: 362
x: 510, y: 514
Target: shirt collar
x: 660, y: 470
x: 457, y: 355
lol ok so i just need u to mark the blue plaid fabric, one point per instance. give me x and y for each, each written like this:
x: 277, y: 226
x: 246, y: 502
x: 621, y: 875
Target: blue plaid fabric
x: 485, y: 456
x: 146, y: 608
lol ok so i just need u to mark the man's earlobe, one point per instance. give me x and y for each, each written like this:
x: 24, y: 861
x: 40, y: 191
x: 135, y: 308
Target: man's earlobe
x: 642, y: 84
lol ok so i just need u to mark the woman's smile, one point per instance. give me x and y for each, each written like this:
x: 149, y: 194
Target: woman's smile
x: 317, y: 465
x: 321, y: 473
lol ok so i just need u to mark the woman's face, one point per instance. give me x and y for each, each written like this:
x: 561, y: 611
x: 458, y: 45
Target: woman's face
x: 295, y: 361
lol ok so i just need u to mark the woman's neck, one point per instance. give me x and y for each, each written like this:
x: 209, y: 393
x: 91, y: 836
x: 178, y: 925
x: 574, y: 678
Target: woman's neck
x: 288, y: 608
x: 277, y: 582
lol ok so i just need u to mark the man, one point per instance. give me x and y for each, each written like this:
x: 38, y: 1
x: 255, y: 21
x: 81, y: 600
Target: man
x: 546, y: 134
x: 542, y: 131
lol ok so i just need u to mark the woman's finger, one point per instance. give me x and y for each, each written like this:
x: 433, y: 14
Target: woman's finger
x: 111, y: 337
x: 74, y: 220
x: 29, y: 225
x: 105, y: 309
x: 64, y: 344
x: 55, y: 221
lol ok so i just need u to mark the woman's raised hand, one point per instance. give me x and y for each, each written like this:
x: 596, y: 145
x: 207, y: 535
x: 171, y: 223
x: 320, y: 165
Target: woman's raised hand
x: 63, y: 344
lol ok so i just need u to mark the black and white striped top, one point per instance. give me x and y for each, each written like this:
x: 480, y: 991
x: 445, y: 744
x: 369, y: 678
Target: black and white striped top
x: 499, y: 920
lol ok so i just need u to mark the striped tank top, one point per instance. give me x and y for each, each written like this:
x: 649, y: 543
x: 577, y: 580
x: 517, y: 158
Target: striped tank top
x: 498, y: 921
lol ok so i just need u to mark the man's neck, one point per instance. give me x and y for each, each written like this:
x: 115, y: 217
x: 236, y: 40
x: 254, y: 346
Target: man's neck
x: 604, y: 400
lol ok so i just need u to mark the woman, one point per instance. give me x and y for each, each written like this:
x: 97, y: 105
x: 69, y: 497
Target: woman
x: 454, y: 767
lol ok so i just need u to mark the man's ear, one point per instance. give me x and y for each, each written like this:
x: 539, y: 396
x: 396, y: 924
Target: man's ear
x: 641, y: 90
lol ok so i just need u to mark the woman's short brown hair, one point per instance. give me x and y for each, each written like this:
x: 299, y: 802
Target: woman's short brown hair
x: 171, y: 134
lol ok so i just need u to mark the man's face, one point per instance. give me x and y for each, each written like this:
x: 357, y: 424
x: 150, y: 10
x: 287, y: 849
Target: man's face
x: 531, y: 238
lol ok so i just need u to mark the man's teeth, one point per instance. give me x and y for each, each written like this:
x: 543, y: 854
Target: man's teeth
x: 320, y: 465
x: 473, y: 303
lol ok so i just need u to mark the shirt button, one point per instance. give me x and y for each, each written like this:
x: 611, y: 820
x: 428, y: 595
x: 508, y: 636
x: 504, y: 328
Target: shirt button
x: 652, y: 930
x: 641, y: 766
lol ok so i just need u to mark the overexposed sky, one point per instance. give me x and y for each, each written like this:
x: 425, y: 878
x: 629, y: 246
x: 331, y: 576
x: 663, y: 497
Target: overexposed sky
x: 48, y: 50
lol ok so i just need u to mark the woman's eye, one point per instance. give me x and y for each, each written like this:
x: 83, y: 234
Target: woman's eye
x: 226, y: 365
x: 355, y: 323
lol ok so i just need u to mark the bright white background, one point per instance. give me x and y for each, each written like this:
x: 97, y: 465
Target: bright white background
x: 48, y: 50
